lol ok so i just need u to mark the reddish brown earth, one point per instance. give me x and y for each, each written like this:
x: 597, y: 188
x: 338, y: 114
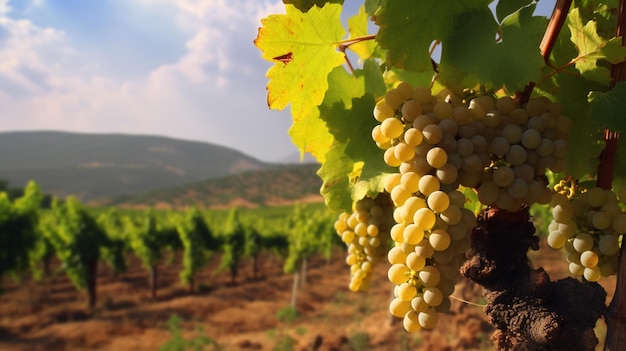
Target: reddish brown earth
x: 51, y: 315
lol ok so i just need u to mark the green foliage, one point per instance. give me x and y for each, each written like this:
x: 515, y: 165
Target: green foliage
x: 233, y: 242
x: 420, y: 22
x: 18, y: 229
x: 77, y: 239
x: 287, y: 314
x: 147, y: 239
x: 592, y: 48
x: 177, y: 342
x: 309, y: 233
x: 43, y: 251
x: 608, y: 108
x: 197, y: 239
x: 115, y: 250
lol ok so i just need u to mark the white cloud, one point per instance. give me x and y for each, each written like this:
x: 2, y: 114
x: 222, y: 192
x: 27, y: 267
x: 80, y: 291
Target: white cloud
x: 29, y: 55
x: 214, y: 91
x: 4, y: 7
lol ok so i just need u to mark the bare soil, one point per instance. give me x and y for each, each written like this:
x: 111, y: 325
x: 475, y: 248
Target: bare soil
x: 51, y: 315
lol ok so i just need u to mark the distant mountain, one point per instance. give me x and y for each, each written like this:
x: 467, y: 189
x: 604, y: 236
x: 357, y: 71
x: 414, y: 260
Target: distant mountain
x: 295, y: 159
x: 274, y: 187
x: 93, y: 166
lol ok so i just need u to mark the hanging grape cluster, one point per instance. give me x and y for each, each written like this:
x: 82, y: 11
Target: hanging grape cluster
x: 588, y: 225
x: 440, y: 143
x: 364, y: 231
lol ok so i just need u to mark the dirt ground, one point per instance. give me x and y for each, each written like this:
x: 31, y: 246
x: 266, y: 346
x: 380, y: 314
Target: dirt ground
x: 50, y: 315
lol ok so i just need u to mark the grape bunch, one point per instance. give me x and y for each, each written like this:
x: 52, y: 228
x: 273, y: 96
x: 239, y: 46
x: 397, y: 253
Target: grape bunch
x: 495, y: 146
x: 430, y: 237
x: 364, y: 231
x: 589, y: 226
x: 440, y: 143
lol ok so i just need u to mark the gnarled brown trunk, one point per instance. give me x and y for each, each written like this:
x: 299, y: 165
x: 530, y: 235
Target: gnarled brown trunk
x: 530, y: 312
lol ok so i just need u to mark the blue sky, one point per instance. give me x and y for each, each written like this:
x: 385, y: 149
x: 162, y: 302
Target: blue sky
x: 180, y: 68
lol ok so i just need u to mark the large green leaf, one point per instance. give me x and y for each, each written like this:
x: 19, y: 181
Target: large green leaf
x: 507, y: 7
x: 310, y: 132
x: 409, y: 27
x: 354, y: 164
x: 585, y: 137
x: 592, y: 48
x: 609, y: 109
x: 304, y: 49
x: 472, y: 56
x: 311, y: 135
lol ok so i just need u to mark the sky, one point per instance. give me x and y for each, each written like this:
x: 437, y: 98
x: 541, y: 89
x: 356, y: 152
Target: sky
x: 185, y: 69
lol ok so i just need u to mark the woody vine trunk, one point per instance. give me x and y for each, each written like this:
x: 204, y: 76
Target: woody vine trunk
x: 530, y: 312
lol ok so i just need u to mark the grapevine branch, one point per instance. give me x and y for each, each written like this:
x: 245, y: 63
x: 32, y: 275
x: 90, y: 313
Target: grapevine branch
x: 345, y: 44
x: 547, y: 43
x: 557, y: 19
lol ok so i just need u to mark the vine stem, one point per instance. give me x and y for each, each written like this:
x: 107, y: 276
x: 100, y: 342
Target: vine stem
x: 345, y: 44
x: 557, y: 19
x: 616, y: 315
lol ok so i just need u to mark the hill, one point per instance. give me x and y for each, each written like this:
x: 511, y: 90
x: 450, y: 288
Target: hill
x: 93, y: 166
x: 278, y: 186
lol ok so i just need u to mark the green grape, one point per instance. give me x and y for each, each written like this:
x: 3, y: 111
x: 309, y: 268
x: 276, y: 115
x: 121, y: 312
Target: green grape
x: 406, y: 291
x: 438, y: 201
x: 413, y: 234
x: 399, y: 308
x: 424, y: 218
x: 432, y: 296
x: 428, y: 184
x: 415, y: 262
x: 589, y: 259
x: 411, y: 322
x: 436, y: 157
x: 398, y: 274
x: 429, y: 276
x: 439, y: 239
x: 360, y: 232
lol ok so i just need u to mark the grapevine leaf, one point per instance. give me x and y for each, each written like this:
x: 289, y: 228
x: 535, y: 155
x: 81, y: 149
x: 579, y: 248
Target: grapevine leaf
x: 374, y: 82
x: 416, y: 79
x: 608, y: 109
x: 605, y: 14
x: 469, y: 49
x: 357, y: 26
x: 303, y: 47
x: 583, y: 152
x: 471, y: 55
x: 310, y: 134
x: 371, y: 6
x: 353, y: 164
x: 305, y: 5
x: 408, y: 28
x: 518, y: 60
x: 343, y: 87
x: 592, y: 48
x: 507, y: 7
